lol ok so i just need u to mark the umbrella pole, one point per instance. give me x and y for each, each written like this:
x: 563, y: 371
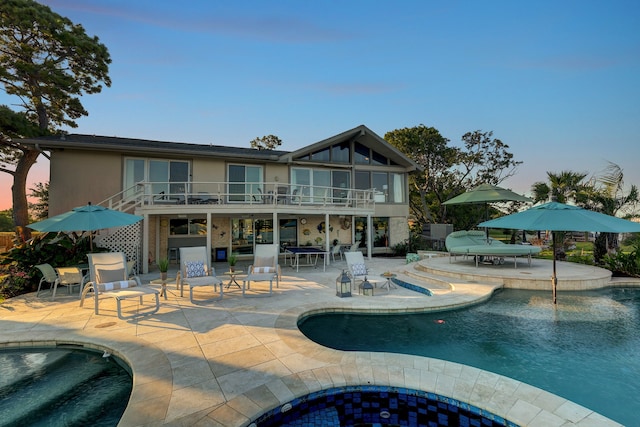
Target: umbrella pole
x: 554, y: 278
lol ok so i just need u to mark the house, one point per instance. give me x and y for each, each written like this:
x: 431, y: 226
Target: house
x: 351, y: 187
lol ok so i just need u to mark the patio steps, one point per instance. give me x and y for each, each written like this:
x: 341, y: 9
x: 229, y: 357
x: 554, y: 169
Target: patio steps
x: 437, y: 280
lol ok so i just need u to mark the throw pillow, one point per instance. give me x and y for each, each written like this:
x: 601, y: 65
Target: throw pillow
x: 194, y: 269
x: 105, y: 276
x: 359, y: 269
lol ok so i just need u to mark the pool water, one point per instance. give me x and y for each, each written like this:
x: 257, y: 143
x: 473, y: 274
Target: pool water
x: 587, y: 349
x: 61, y: 387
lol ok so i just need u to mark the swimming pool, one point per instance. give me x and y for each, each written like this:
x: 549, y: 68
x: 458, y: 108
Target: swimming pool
x: 585, y: 349
x: 61, y: 387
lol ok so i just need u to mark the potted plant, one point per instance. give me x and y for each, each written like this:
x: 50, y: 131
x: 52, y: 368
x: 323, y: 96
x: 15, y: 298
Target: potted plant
x: 232, y: 260
x: 163, y: 266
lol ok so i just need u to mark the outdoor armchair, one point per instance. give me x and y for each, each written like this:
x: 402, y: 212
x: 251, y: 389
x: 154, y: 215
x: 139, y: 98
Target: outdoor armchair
x: 265, y: 267
x: 196, y: 270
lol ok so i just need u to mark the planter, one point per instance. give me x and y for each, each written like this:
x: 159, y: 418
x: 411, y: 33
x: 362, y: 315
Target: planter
x: 163, y: 275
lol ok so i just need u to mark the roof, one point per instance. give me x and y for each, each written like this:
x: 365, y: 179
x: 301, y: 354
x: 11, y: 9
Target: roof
x: 361, y: 134
x: 145, y: 146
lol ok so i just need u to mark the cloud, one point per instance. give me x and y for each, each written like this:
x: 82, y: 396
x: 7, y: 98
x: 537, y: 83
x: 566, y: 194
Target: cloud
x: 289, y: 29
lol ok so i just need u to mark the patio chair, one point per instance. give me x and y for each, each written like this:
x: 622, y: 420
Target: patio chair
x: 336, y: 250
x: 109, y: 276
x: 265, y: 267
x: 70, y: 277
x: 195, y: 270
x: 48, y: 276
x: 357, y: 268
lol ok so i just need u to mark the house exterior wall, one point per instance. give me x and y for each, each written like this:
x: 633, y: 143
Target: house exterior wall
x: 80, y: 177
x: 87, y: 168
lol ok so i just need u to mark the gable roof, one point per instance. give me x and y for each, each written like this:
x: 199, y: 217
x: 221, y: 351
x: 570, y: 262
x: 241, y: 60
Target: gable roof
x: 361, y: 134
x: 364, y: 136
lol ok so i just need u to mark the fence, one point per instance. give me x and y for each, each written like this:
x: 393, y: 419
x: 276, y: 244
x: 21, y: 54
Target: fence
x: 6, y: 240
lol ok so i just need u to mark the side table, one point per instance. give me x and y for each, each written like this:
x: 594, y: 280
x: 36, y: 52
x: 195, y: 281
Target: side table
x: 388, y: 284
x: 163, y: 292
x: 232, y: 278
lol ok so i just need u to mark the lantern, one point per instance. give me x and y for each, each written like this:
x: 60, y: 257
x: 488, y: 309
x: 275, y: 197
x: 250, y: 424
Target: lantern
x: 343, y: 285
x: 366, y: 287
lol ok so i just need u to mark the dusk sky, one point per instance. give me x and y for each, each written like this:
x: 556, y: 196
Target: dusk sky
x: 558, y: 81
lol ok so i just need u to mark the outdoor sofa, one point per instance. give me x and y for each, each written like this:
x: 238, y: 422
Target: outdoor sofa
x: 475, y: 243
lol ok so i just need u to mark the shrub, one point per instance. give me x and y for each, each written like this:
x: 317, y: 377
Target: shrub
x: 59, y: 250
x: 627, y: 263
x: 16, y: 282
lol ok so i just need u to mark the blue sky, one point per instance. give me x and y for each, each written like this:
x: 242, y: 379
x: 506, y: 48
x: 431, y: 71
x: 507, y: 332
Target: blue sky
x: 559, y: 82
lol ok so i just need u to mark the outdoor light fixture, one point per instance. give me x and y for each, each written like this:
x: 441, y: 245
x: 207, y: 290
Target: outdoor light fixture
x: 343, y: 285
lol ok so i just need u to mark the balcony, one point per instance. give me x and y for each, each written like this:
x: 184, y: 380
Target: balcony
x: 243, y: 197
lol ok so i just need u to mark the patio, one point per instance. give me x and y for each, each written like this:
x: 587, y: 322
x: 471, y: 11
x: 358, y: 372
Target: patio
x: 224, y: 363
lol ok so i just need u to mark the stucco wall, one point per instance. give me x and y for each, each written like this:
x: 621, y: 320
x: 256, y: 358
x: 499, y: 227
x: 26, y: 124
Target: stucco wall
x: 71, y: 171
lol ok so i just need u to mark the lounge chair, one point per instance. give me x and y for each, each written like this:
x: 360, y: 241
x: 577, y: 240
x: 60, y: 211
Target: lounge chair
x: 357, y: 268
x: 196, y: 270
x: 475, y: 243
x: 265, y: 267
x: 108, y: 274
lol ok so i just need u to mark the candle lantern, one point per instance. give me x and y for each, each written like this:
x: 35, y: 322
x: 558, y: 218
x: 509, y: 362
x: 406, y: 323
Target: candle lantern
x: 366, y: 287
x: 343, y: 285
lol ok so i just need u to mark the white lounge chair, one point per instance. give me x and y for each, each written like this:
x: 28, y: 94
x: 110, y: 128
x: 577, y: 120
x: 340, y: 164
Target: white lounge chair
x: 108, y: 274
x: 196, y: 270
x: 357, y: 268
x: 265, y: 267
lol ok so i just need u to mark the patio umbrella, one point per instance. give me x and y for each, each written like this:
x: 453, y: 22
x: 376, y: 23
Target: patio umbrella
x: 86, y: 218
x: 554, y: 216
x: 487, y: 193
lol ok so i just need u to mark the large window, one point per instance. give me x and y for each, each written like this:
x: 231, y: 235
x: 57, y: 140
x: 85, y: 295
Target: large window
x: 388, y: 187
x: 188, y: 227
x: 168, y: 178
x: 313, y: 184
x: 380, y: 231
x: 245, y: 183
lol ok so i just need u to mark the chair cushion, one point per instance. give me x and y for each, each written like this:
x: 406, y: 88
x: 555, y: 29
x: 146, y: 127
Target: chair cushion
x: 112, y: 286
x: 106, y: 276
x: 358, y: 269
x: 194, y: 269
x: 258, y: 270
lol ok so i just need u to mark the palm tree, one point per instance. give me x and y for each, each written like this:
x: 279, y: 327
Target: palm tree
x: 562, y: 187
x: 607, y: 195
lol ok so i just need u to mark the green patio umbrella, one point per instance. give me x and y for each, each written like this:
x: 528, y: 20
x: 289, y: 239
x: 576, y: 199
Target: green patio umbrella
x: 554, y: 216
x: 487, y: 193
x: 86, y: 218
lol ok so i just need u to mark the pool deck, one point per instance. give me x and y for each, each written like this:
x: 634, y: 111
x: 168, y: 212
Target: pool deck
x: 224, y: 363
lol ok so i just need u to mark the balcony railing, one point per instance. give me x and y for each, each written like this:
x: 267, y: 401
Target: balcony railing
x: 239, y: 193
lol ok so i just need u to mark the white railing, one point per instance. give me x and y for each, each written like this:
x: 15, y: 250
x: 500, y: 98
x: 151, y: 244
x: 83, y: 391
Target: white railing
x: 223, y: 193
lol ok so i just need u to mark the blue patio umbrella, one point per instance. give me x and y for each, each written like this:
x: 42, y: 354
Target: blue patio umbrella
x: 86, y: 218
x: 554, y: 216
